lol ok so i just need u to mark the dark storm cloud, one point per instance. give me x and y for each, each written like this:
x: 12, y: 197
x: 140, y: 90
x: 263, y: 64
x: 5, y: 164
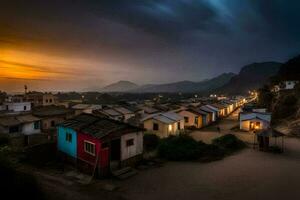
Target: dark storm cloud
x: 181, y: 39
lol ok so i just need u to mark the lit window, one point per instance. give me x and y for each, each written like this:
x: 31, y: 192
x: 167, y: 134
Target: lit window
x: 170, y: 127
x: 89, y: 147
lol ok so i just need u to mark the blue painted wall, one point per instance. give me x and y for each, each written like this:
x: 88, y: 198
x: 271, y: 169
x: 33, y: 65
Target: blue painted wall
x: 65, y: 146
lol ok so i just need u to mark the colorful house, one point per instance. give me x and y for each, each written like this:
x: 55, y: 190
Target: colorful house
x: 192, y: 118
x: 254, y: 121
x: 99, y: 144
x: 164, y: 124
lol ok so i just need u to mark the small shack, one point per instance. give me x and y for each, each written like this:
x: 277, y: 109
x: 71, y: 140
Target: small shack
x: 269, y: 138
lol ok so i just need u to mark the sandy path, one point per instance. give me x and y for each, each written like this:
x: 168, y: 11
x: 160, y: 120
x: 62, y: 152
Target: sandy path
x: 247, y: 175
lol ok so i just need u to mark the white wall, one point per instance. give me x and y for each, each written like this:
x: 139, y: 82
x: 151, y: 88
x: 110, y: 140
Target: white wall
x: 28, y: 129
x: 17, y: 107
x: 135, y: 149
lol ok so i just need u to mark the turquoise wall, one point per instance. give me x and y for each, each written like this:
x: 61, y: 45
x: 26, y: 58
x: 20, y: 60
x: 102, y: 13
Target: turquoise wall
x: 65, y: 146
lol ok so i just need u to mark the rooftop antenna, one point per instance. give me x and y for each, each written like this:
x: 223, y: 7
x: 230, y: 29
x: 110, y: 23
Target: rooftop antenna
x: 25, y: 87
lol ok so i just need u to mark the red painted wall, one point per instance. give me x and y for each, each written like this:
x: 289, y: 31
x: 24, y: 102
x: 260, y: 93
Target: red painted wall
x: 83, y: 156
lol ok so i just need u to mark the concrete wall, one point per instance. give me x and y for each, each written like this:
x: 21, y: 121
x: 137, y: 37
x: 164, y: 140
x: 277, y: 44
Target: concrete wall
x: 164, y: 130
x: 17, y: 107
x: 28, y: 129
x: 191, y: 118
x: 135, y: 149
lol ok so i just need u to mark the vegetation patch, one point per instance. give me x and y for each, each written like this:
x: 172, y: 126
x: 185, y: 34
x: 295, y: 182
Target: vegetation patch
x: 151, y: 142
x: 185, y: 148
x: 230, y: 143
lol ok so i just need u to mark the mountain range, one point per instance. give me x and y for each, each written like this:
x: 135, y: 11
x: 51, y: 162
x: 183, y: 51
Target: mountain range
x: 250, y: 77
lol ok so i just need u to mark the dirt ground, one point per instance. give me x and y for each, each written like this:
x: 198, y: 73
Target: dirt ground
x: 249, y: 174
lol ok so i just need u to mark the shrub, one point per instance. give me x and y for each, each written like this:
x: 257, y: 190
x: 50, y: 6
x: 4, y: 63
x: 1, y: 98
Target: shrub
x: 151, y: 142
x: 4, y: 140
x: 229, y: 143
x: 179, y: 148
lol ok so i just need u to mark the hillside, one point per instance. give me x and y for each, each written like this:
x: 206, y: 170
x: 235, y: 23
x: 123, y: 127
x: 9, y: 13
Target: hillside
x: 251, y: 77
x: 121, y: 86
x: 187, y: 86
x: 290, y: 70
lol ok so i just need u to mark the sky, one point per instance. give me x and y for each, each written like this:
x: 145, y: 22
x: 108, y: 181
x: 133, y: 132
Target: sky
x: 63, y: 45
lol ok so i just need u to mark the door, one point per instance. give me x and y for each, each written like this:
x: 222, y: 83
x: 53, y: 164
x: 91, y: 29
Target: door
x: 115, y: 149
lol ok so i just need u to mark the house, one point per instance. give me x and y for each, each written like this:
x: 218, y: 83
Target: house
x: 126, y: 113
x: 222, y: 109
x: 16, y: 106
x: 85, y: 108
x: 23, y: 128
x: 212, y: 117
x: 288, y: 85
x: 51, y: 116
x: 26, y: 124
x: 192, y: 118
x: 215, y: 110
x: 99, y: 143
x: 112, y: 114
x: 40, y: 98
x: 164, y: 124
x: 254, y: 121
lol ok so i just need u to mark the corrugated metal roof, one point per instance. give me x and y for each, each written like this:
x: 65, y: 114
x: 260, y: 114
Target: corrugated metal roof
x: 97, y: 126
x: 167, y: 118
x: 17, y: 119
x: 112, y: 112
x: 123, y: 110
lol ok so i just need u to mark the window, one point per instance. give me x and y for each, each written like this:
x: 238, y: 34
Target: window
x: 50, y: 100
x: 46, y: 100
x: 178, y: 125
x: 52, y: 123
x: 25, y: 108
x: 186, y: 119
x: 155, y: 127
x: 196, y: 120
x: 129, y: 142
x: 89, y: 147
x: 69, y: 137
x: 13, y: 129
x: 36, y: 125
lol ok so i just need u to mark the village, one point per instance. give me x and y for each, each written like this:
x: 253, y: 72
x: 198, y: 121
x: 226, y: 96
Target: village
x: 108, y: 147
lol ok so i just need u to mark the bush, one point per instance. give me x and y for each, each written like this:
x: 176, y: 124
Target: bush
x: 179, y: 148
x: 229, y: 143
x: 4, y: 140
x: 151, y: 142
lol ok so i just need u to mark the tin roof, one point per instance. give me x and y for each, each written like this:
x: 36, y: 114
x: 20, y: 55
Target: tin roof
x: 167, y: 118
x: 97, y: 126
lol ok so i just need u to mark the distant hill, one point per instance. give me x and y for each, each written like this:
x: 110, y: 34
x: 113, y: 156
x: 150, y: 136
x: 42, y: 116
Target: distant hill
x: 187, y: 86
x: 121, y: 86
x: 251, y: 77
x: 290, y: 70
